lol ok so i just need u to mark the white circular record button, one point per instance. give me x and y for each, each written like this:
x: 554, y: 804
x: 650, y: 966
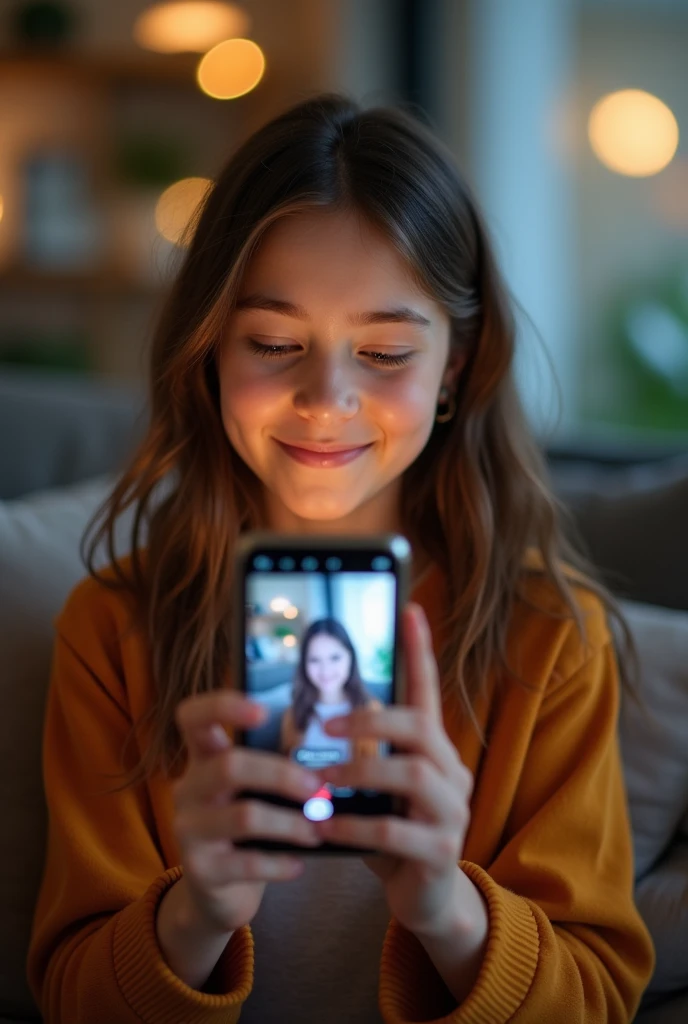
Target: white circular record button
x: 318, y: 808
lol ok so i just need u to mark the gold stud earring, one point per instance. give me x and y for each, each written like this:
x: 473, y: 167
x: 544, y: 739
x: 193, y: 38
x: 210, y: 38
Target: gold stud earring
x: 446, y: 398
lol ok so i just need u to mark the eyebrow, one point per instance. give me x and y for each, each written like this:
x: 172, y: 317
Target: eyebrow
x: 398, y: 315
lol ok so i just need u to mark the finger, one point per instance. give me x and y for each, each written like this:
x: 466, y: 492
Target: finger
x: 250, y: 866
x: 203, y: 718
x: 244, y: 819
x: 422, y: 675
x: 217, y: 779
x: 397, y: 837
x: 431, y: 797
x: 407, y: 728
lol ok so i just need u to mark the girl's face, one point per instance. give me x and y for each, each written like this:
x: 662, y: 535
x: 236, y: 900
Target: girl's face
x: 328, y: 664
x: 331, y: 346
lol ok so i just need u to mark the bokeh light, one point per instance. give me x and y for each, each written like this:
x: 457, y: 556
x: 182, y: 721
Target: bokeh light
x: 177, y: 206
x: 633, y: 133
x: 291, y: 612
x: 289, y: 641
x: 190, y: 26
x: 231, y: 69
x: 2, y: 207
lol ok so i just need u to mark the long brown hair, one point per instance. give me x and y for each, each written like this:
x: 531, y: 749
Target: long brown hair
x: 476, y: 494
x: 305, y: 693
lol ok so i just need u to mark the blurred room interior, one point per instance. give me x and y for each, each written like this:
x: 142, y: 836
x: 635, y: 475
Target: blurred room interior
x: 569, y: 120
x: 565, y: 118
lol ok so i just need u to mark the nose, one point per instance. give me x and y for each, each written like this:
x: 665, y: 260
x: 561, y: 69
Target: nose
x: 326, y: 393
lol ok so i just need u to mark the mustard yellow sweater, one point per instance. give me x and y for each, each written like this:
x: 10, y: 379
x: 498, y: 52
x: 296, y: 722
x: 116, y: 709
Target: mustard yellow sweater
x: 548, y: 845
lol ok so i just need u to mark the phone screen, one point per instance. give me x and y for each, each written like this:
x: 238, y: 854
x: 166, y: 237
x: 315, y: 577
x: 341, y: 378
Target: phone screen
x: 320, y: 636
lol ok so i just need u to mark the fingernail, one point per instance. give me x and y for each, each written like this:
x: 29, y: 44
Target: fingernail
x: 335, y: 725
x: 419, y: 618
x: 218, y: 736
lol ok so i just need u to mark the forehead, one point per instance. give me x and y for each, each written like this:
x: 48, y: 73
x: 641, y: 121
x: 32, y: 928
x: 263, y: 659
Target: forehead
x: 324, y: 640
x: 336, y: 253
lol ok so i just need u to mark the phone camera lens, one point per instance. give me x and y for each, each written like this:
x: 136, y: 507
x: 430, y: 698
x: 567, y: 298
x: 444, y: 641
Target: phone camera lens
x: 381, y: 562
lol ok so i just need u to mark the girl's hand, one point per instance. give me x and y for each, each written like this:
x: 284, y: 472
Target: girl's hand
x: 420, y: 853
x: 227, y: 883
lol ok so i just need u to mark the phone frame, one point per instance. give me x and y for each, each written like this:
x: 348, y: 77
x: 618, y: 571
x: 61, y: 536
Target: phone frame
x: 396, y: 547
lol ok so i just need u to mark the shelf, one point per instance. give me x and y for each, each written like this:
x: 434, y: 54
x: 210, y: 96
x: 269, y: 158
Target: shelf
x: 130, y: 68
x: 98, y: 282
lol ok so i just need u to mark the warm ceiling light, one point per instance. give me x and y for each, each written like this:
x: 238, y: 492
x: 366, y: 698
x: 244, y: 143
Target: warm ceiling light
x: 231, y: 69
x: 177, y: 206
x: 633, y: 133
x: 194, y: 25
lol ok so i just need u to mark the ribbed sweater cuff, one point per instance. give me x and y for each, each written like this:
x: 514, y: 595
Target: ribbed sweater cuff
x: 411, y: 990
x: 152, y: 989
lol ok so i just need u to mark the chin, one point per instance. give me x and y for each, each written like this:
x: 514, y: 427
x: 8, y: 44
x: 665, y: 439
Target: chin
x: 322, y: 507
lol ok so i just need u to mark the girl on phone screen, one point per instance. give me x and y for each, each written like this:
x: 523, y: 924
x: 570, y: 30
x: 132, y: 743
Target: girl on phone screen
x: 327, y: 683
x: 336, y: 356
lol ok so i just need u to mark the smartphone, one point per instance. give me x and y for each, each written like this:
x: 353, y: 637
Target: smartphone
x: 316, y: 633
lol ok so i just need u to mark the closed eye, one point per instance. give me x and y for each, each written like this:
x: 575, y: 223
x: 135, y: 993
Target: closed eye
x: 280, y: 351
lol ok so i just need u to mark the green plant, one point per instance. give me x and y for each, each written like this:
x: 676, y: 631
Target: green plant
x: 647, y: 354
x: 62, y: 353
x: 384, y: 661
x: 149, y: 162
x: 282, y: 631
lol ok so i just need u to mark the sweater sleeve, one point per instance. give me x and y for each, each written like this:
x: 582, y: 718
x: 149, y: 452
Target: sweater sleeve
x: 566, y: 942
x: 93, y: 954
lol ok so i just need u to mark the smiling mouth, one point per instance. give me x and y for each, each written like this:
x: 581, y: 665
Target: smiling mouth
x: 323, y: 456
x: 325, y: 449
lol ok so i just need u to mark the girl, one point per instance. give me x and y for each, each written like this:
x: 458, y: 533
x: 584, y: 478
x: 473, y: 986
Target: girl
x: 336, y: 356
x: 327, y: 683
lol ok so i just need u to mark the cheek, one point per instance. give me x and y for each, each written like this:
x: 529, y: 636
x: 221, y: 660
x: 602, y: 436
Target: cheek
x: 247, y: 400
x: 409, y: 407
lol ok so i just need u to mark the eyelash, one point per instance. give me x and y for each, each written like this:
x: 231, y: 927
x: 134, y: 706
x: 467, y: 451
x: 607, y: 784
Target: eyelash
x: 278, y: 351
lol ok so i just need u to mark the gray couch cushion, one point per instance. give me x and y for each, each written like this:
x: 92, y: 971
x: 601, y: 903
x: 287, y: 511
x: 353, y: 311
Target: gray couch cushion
x: 56, y: 430
x: 655, y: 749
x: 655, y: 756
x: 662, y: 898
x: 39, y: 564
x: 633, y: 525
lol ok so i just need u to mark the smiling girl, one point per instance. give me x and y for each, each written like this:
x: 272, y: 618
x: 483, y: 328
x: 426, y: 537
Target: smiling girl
x: 335, y: 356
x: 327, y: 684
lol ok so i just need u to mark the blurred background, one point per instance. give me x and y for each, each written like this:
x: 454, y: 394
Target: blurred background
x: 568, y: 118
x: 564, y: 115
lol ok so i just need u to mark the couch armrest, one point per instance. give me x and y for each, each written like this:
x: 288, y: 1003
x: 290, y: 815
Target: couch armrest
x: 662, y: 898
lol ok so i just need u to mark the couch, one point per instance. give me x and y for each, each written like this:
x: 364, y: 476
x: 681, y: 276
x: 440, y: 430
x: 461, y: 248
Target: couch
x: 61, y: 440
